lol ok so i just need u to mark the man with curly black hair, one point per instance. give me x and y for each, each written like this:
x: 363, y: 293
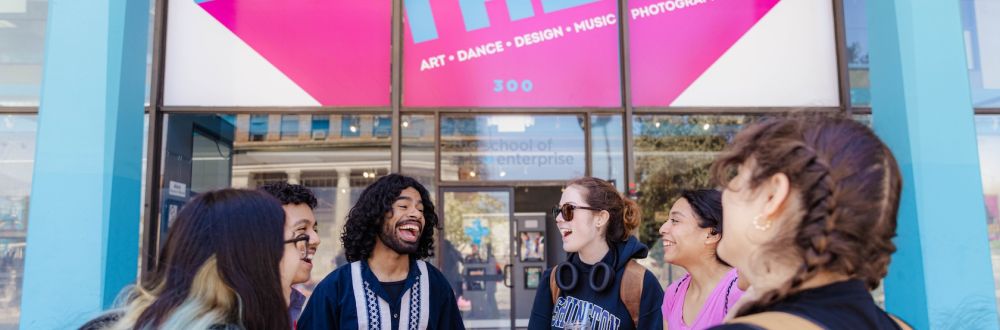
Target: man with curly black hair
x: 301, y: 228
x: 386, y: 284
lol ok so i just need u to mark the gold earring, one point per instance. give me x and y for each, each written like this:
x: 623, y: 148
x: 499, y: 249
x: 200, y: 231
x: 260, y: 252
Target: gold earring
x: 765, y: 227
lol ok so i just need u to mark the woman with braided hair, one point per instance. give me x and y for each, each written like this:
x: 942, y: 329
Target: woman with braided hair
x: 809, y: 211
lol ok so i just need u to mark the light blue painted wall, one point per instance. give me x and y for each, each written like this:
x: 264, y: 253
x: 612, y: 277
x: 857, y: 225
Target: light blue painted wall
x: 83, y: 232
x: 941, y: 277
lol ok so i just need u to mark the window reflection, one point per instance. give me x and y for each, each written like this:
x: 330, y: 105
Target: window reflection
x: 673, y: 153
x: 22, y: 34
x: 417, y: 149
x: 607, y: 147
x: 212, y: 151
x: 981, y: 32
x: 988, y: 129
x: 17, y: 151
x: 981, y: 27
x: 511, y: 147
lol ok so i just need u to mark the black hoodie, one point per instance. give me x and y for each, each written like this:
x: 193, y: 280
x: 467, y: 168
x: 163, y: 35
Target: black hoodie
x: 604, y: 309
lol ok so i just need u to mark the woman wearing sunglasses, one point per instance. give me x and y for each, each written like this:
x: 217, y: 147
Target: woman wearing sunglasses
x: 600, y: 286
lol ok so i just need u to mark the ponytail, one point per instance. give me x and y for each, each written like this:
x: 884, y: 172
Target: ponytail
x: 631, y: 216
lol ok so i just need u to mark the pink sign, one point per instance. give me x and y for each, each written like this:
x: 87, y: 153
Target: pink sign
x: 337, y: 51
x: 673, y: 42
x: 513, y: 53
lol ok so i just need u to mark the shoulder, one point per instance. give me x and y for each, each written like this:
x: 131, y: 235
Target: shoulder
x: 433, y: 272
x: 736, y: 326
x: 103, y: 321
x: 650, y: 283
x: 434, y: 275
x: 337, y: 278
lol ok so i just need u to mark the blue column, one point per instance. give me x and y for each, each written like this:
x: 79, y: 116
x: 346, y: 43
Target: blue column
x: 83, y: 231
x: 941, y: 275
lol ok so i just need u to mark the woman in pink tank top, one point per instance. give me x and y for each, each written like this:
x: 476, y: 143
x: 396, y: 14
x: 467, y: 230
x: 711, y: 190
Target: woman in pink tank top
x: 702, y: 298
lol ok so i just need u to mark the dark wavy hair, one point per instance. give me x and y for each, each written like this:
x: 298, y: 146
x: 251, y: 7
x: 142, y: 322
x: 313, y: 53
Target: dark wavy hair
x: 243, y: 230
x: 707, y: 205
x: 290, y: 193
x: 366, y: 218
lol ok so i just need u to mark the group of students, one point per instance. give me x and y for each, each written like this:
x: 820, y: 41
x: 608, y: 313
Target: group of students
x: 799, y: 232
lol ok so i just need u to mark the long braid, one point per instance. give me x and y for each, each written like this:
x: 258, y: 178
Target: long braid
x: 840, y: 215
x: 819, y: 197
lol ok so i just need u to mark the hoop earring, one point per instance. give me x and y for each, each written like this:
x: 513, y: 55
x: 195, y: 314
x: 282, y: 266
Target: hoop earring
x: 765, y: 227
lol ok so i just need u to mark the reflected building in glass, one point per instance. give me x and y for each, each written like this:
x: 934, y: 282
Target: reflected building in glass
x: 328, y: 97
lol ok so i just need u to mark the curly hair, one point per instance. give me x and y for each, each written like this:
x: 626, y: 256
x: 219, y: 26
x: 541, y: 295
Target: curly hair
x: 367, y: 217
x: 845, y: 196
x: 290, y: 193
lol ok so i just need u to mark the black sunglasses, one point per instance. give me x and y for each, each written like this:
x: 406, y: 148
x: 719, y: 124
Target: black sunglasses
x: 302, y: 244
x: 567, y: 211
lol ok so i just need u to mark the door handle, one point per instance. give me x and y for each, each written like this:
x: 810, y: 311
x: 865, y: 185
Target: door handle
x: 507, y: 279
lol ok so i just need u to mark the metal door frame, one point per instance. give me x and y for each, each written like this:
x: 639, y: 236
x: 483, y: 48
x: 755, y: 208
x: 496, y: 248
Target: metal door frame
x: 510, y: 224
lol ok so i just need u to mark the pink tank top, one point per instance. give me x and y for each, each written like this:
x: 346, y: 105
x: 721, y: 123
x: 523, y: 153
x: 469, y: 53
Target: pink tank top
x: 723, y: 297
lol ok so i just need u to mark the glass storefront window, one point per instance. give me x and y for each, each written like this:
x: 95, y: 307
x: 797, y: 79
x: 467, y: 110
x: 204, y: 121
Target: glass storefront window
x: 512, y: 147
x: 981, y: 25
x: 672, y: 153
x: 22, y: 34
x: 988, y: 130
x: 17, y: 152
x: 278, y: 53
x: 258, y: 127
x: 732, y: 53
x: 320, y: 127
x: 417, y: 149
x: 476, y: 250
x: 289, y: 127
x: 350, y: 126
x: 608, y: 149
x: 473, y: 54
x: 213, y: 151
x: 981, y: 28
x: 856, y: 26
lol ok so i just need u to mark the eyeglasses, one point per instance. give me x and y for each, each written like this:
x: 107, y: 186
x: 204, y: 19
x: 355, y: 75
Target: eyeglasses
x: 302, y: 244
x: 567, y: 211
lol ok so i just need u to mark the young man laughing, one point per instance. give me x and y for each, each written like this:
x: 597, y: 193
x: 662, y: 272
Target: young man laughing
x: 386, y: 284
x: 300, y: 224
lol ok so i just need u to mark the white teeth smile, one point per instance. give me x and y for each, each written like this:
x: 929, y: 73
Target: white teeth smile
x: 409, y: 227
x: 669, y: 243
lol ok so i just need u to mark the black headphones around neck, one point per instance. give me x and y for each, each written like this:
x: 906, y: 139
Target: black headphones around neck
x: 597, y: 284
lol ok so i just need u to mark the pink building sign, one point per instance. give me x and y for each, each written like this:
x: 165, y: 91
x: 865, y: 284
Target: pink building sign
x: 673, y: 42
x: 337, y: 51
x: 513, y: 53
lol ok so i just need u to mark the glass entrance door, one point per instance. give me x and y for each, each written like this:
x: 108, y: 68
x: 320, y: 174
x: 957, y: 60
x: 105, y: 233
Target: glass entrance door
x: 476, y: 254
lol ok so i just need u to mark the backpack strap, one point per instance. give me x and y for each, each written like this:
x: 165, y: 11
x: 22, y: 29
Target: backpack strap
x: 631, y: 288
x: 776, y: 320
x: 630, y: 293
x: 553, y: 288
x: 902, y: 325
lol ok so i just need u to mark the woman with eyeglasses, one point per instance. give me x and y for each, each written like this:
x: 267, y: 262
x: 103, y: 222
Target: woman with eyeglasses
x: 704, y: 296
x: 226, y: 264
x: 600, y: 286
